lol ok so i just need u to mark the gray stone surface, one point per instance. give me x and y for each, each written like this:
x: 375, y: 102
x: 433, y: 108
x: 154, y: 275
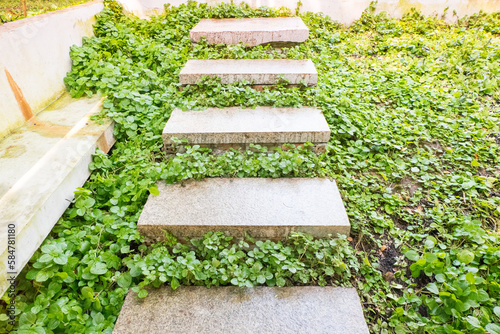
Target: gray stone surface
x: 265, y: 208
x: 289, y: 310
x: 262, y: 125
x: 252, y: 31
x: 255, y: 71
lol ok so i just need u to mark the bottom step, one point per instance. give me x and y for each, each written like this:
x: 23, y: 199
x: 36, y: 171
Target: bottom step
x: 318, y: 310
x: 263, y: 208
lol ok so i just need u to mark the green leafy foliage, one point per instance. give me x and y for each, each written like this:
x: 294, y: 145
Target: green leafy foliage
x: 412, y: 104
x: 11, y: 10
x: 215, y: 260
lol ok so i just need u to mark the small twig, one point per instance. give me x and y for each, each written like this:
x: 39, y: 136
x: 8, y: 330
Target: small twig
x: 23, y: 3
x: 98, y: 242
x: 305, y: 250
x: 359, y: 240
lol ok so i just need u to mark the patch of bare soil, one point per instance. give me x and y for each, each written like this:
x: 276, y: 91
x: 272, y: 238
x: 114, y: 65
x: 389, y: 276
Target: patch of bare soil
x: 409, y: 185
x: 387, y: 259
x: 434, y: 145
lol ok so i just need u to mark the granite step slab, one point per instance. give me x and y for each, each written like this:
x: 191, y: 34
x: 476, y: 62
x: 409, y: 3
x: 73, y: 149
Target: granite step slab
x: 262, y: 207
x: 238, y: 128
x: 270, y: 310
x: 251, y: 31
x: 254, y: 71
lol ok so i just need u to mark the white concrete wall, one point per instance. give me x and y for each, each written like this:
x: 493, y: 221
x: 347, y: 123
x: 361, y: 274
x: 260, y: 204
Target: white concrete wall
x: 35, y: 51
x: 344, y: 11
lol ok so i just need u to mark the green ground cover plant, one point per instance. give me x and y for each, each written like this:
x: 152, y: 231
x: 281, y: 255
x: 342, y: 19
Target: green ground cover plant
x: 413, y: 105
x: 12, y: 10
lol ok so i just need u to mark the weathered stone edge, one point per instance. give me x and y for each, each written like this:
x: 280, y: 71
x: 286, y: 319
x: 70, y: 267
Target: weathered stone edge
x: 51, y: 205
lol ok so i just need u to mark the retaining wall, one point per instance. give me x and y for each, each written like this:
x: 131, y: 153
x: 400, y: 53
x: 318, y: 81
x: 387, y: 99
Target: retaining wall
x: 344, y: 11
x: 34, y: 59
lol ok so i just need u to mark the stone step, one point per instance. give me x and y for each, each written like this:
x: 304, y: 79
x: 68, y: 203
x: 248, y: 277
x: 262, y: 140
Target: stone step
x: 254, y: 71
x: 41, y: 165
x: 252, y: 31
x: 237, y: 128
x: 264, y: 208
x: 271, y: 310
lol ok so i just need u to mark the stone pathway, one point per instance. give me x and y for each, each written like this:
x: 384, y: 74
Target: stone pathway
x: 265, y: 208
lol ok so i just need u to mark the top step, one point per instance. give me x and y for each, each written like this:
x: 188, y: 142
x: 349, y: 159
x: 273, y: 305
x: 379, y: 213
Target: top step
x: 252, y: 31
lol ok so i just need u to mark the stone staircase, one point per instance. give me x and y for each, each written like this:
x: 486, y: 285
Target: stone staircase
x: 263, y: 208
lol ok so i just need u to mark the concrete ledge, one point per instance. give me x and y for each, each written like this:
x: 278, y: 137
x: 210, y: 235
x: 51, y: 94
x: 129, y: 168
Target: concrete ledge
x: 289, y: 310
x: 41, y: 165
x: 255, y: 71
x: 251, y: 32
x: 265, y: 208
x: 235, y: 127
